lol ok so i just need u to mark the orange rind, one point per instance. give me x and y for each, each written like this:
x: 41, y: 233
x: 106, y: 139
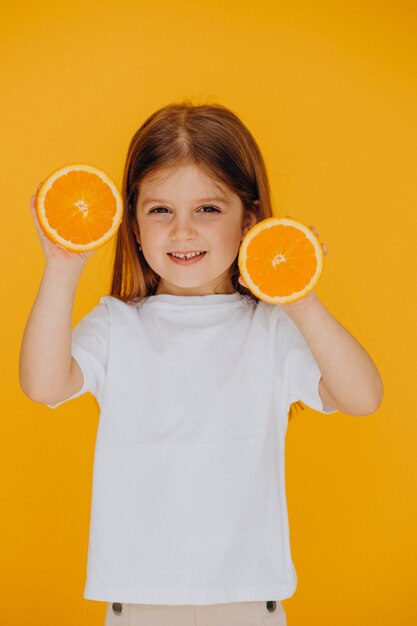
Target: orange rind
x: 79, y: 207
x: 280, y: 260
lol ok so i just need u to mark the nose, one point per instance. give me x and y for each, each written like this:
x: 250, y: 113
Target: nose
x: 182, y: 229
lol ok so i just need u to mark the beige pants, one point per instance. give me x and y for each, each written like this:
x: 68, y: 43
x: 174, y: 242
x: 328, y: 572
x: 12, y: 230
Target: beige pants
x: 259, y: 613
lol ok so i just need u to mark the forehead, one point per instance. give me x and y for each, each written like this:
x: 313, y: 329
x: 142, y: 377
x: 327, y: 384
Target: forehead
x: 182, y: 178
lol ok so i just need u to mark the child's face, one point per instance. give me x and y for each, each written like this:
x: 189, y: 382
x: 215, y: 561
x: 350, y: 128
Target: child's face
x: 192, y: 212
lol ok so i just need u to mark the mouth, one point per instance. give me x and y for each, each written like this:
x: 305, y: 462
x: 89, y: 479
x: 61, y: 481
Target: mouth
x: 185, y: 261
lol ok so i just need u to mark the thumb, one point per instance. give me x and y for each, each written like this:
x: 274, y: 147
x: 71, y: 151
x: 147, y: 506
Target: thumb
x: 242, y: 282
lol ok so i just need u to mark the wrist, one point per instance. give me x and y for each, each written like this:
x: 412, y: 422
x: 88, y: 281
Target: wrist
x: 63, y: 272
x: 298, y: 307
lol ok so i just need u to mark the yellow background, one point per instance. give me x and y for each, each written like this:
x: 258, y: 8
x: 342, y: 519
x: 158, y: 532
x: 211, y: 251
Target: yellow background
x: 329, y: 92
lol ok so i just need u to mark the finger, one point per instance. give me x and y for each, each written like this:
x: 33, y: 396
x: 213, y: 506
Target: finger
x: 38, y: 187
x: 315, y: 231
x: 33, y: 197
x: 325, y: 249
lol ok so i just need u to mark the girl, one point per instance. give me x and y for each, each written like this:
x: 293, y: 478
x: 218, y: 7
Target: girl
x: 194, y: 377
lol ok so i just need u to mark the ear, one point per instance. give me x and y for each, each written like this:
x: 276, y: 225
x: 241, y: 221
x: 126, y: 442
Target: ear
x: 250, y: 219
x: 135, y: 229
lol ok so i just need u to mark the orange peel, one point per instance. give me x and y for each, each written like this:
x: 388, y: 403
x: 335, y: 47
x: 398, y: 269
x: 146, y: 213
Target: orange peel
x: 79, y: 207
x: 280, y: 260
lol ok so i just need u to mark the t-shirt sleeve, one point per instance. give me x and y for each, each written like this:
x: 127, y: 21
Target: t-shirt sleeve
x: 298, y: 368
x: 89, y: 347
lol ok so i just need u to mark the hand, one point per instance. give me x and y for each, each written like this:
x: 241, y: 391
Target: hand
x: 54, y: 253
x: 311, y: 294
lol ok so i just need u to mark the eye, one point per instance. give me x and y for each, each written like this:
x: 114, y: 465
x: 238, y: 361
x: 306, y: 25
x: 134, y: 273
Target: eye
x: 209, y: 206
x: 157, y: 209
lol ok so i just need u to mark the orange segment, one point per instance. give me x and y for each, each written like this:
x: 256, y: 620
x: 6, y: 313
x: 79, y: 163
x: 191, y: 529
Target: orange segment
x: 280, y: 260
x: 79, y: 207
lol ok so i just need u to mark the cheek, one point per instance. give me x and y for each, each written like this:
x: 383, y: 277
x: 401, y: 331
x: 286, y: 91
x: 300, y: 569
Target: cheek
x: 233, y: 236
x: 228, y: 246
x: 151, y: 233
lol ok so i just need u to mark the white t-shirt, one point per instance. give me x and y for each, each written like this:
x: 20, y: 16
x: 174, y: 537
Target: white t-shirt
x: 188, y: 500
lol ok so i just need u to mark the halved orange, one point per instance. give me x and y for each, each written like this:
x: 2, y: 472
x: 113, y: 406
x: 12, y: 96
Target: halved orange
x: 280, y: 260
x: 79, y: 207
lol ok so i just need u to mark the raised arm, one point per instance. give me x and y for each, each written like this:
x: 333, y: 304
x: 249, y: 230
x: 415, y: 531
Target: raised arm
x: 350, y: 380
x: 47, y: 371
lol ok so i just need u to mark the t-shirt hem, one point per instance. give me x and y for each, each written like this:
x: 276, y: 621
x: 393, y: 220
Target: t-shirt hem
x: 132, y: 595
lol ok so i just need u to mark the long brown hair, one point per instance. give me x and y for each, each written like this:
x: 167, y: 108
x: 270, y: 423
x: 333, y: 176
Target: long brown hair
x: 209, y: 136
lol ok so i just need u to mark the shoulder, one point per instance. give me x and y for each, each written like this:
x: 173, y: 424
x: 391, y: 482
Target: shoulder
x: 118, y: 310
x: 271, y: 312
x: 106, y: 309
x: 111, y: 302
x: 275, y: 316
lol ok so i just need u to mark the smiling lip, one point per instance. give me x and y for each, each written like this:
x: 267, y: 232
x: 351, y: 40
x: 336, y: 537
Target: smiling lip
x: 185, y: 251
x: 186, y: 262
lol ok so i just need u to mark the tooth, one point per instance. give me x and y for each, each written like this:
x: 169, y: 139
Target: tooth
x: 187, y: 256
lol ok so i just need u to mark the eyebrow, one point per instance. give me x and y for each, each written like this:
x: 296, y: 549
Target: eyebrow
x: 210, y: 199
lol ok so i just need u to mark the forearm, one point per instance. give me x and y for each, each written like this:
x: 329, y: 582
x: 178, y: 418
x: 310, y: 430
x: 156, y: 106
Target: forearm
x: 45, y: 355
x: 348, y: 371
